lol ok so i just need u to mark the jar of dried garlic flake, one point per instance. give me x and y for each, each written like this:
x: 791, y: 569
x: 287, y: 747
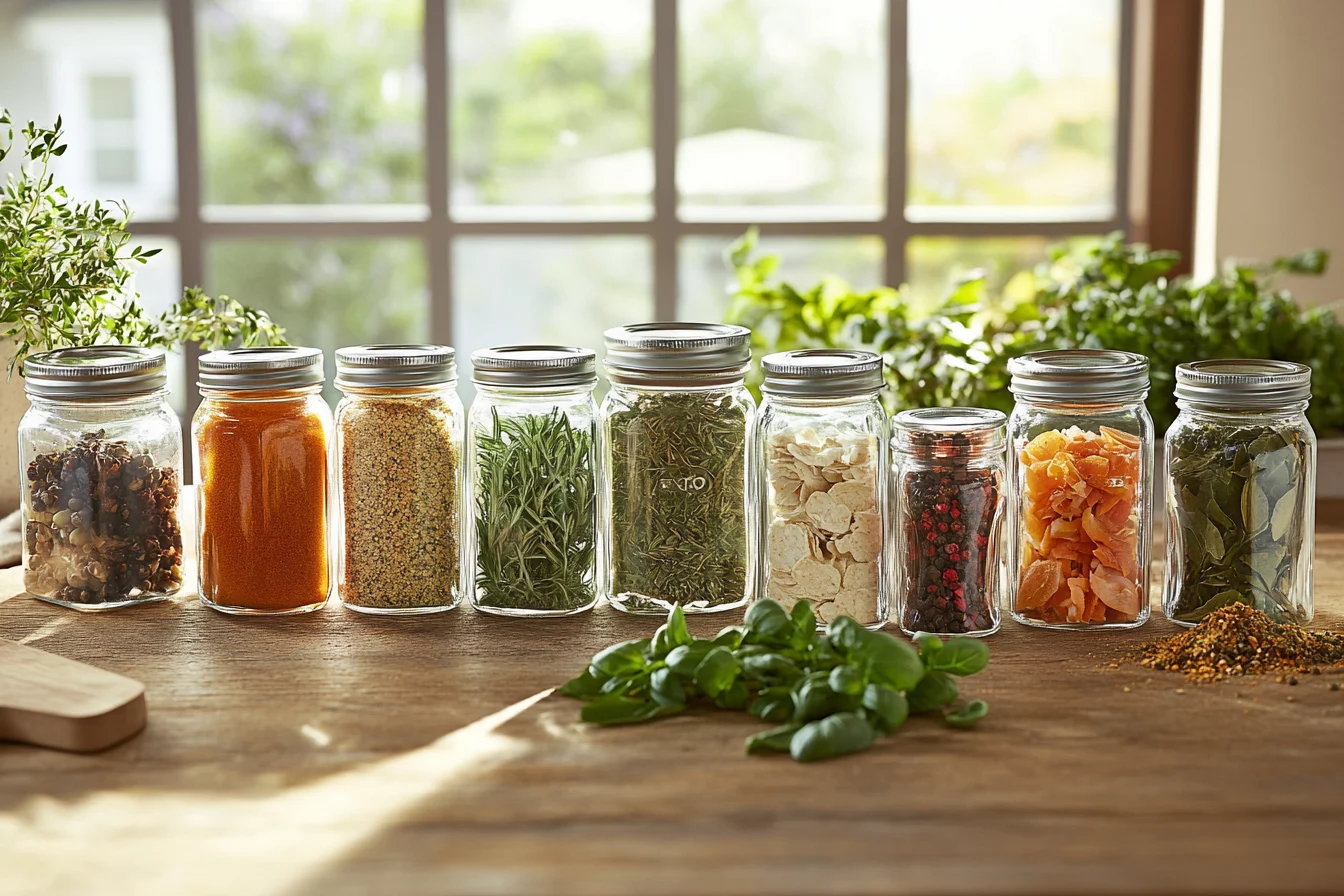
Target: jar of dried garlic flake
x: 822, y: 474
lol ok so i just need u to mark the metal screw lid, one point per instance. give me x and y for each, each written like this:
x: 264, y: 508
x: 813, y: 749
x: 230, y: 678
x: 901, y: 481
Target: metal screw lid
x: 677, y: 353
x: 395, y: 365
x: 1079, y: 376
x: 265, y: 367
x: 1240, y: 384
x: 96, y: 371
x: 822, y: 373
x: 534, y: 366
x: 935, y: 433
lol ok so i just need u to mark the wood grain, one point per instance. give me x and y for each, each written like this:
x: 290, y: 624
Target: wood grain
x: 336, y: 753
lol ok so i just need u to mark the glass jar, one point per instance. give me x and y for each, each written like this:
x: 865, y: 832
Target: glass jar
x: 821, y: 472
x: 677, y: 501
x: 950, y: 478
x: 1080, y: 463
x: 102, y: 454
x: 1241, y: 491
x: 261, y: 437
x: 532, y: 440
x: 398, y: 462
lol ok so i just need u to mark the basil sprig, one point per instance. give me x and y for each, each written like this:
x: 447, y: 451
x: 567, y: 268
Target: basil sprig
x: 828, y: 694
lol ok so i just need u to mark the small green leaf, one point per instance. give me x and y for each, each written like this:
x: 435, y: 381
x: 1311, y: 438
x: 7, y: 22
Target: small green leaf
x: 815, y: 700
x: 684, y: 659
x: 836, y: 735
x: 586, y: 687
x: 959, y: 656
x: 734, y: 697
x: 614, y: 709
x: 773, y: 705
x: 717, y: 671
x: 677, y: 633
x: 666, y: 688
x: 621, y: 659
x: 730, y: 637
x: 776, y: 740
x: 804, y: 619
x: 927, y: 642
x: 888, y: 706
x: 847, y: 680
x: 934, y: 691
x: 967, y: 716
x: 766, y: 622
x: 893, y: 662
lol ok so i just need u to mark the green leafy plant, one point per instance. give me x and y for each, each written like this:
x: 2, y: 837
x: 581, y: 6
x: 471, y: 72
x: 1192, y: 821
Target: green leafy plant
x: 65, y: 268
x: 1111, y: 295
x: 828, y: 694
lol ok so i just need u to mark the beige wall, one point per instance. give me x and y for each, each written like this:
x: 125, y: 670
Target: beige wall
x: 1281, y: 154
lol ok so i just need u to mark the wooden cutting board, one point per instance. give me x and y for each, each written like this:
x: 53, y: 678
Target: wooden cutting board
x: 51, y: 701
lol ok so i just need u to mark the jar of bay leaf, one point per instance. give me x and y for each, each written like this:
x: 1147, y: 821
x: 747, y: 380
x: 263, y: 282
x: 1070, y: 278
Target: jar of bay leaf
x: 677, y: 499
x: 398, y: 456
x: 1241, y: 490
x: 532, y: 493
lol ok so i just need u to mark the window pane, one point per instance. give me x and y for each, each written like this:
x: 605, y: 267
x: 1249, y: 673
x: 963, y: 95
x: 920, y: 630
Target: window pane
x: 550, y: 108
x: 564, y: 290
x: 158, y: 284
x: 329, y: 293
x: 106, y: 70
x: 706, y: 282
x: 1013, y: 104
x: 782, y: 107
x: 311, y: 101
x: 934, y: 264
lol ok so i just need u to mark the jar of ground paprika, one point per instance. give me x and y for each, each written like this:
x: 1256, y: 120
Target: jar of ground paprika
x: 949, y: 504
x: 261, y: 436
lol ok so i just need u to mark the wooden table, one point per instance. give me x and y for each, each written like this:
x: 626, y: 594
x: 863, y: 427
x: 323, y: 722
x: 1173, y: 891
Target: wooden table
x: 341, y: 754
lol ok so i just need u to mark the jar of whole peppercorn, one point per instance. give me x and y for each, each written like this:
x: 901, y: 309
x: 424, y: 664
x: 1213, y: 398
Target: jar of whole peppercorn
x: 102, y: 453
x: 949, y: 471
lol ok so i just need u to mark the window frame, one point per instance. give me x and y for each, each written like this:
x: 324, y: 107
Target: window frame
x: 196, y: 226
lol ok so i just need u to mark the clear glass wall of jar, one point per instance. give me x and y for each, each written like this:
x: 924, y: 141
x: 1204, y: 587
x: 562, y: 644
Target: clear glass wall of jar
x: 1241, y: 491
x: 101, y: 452
x: 677, y: 498
x: 950, y: 479
x: 532, y: 498
x: 398, y: 461
x: 821, y: 473
x: 261, y: 437
x: 1080, y: 463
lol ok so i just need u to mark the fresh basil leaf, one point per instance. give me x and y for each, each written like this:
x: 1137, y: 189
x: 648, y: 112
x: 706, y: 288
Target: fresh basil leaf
x: 773, y: 705
x: 804, y: 620
x: 776, y: 740
x: 730, y: 637
x: 734, y: 697
x: 967, y: 716
x: 684, y: 659
x: 767, y: 622
x: 659, y: 645
x: 677, y: 633
x: 847, y: 635
x: 889, y: 707
x: 816, y: 699
x: 836, y: 735
x: 585, y: 687
x: 666, y: 688
x: 614, y: 709
x: 621, y: 659
x: 717, y: 671
x: 770, y: 666
x: 847, y: 680
x: 934, y: 691
x: 959, y: 656
x: 927, y: 642
x: 893, y: 662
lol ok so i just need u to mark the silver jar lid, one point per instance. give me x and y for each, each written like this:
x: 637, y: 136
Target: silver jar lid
x: 1079, y: 376
x: 96, y: 371
x: 534, y: 366
x: 822, y: 373
x: 1237, y: 384
x: 265, y: 367
x: 949, y: 432
x: 395, y: 365
x: 677, y: 352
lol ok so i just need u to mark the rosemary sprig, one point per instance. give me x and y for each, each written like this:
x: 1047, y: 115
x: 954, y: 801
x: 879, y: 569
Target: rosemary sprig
x: 535, y: 513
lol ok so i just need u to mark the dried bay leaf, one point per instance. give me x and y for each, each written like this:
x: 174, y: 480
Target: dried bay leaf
x: 1283, y: 514
x: 1254, y: 506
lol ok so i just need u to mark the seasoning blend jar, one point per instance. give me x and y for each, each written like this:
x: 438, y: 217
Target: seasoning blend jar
x: 676, y: 428
x: 822, y: 475
x: 532, y: 440
x: 102, y: 454
x: 1241, y: 491
x: 398, y: 451
x: 261, y: 436
x: 1080, y: 464
x: 950, y: 477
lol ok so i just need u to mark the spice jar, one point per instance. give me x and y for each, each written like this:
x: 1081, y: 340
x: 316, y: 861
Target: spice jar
x: 102, y: 454
x: 398, y: 450
x: 1241, y: 491
x: 822, y: 476
x: 1080, y: 464
x: 677, y: 503
x: 950, y: 479
x: 532, y: 440
x: 261, y: 438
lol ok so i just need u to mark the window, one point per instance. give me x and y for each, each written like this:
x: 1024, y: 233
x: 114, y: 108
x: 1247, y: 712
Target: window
x: 482, y: 171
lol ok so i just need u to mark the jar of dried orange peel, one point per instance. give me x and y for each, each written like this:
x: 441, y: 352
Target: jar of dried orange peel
x: 1080, y: 468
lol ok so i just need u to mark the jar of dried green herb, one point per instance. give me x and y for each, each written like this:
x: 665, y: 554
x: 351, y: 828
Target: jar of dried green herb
x: 102, y: 456
x: 676, y: 430
x: 1241, y: 491
x: 532, y: 492
x: 398, y: 451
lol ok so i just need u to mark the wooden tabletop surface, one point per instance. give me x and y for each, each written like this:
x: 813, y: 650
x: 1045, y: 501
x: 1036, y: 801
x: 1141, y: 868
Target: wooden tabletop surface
x: 334, y: 754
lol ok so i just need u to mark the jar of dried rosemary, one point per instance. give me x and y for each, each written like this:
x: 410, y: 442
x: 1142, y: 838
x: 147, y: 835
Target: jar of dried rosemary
x: 1241, y: 491
x: 102, y: 454
x: 532, y: 493
x: 398, y: 450
x: 676, y: 430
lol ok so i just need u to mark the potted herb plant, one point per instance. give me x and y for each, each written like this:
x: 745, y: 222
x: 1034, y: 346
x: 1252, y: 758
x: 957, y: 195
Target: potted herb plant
x: 65, y: 280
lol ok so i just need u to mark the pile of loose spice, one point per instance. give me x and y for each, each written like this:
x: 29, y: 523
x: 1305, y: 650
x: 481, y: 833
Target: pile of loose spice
x: 1240, y: 640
